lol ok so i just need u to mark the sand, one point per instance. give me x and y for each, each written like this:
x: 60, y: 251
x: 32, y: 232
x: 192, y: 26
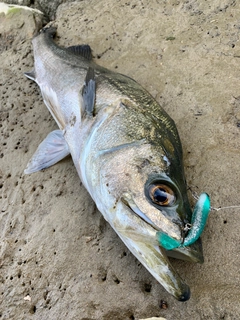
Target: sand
x: 59, y: 259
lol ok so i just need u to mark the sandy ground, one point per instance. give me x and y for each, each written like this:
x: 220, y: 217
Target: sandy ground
x: 59, y: 258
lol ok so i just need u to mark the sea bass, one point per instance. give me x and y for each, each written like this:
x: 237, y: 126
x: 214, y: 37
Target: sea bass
x: 128, y: 155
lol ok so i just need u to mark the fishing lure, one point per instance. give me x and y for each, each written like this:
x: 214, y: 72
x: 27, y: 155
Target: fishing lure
x: 199, y: 219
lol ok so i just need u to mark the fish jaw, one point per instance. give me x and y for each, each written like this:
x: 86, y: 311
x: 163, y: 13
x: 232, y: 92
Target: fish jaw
x: 140, y: 238
x: 192, y: 253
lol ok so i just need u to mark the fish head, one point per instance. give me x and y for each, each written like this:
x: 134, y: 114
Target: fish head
x: 145, y: 182
x: 149, y: 196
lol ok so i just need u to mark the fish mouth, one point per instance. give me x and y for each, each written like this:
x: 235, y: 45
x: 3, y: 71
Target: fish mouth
x: 192, y: 253
x: 138, y: 233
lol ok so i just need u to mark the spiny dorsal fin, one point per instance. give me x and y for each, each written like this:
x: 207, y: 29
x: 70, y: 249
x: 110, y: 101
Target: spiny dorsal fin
x: 83, y: 50
x: 88, y: 93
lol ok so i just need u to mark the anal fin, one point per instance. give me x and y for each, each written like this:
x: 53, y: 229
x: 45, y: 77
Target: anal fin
x: 53, y: 149
x: 30, y: 75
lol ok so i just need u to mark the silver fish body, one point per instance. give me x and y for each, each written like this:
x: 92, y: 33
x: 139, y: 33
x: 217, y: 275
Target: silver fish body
x: 126, y: 150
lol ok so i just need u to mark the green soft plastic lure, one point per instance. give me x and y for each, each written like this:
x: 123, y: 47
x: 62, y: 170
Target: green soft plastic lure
x: 199, y: 219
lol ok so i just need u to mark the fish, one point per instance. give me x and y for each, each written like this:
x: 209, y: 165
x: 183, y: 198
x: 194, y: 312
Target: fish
x: 128, y: 155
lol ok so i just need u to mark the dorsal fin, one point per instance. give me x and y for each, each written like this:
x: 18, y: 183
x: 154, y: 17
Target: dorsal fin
x: 83, y: 50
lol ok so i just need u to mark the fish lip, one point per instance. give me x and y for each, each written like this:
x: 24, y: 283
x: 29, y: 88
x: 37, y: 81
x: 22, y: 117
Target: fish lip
x: 186, y: 295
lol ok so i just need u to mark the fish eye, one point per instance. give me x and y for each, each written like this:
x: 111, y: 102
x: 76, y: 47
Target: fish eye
x: 161, y: 194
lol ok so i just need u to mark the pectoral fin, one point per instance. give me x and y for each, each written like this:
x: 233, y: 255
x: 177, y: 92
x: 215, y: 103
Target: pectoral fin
x: 88, y: 92
x: 53, y: 149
